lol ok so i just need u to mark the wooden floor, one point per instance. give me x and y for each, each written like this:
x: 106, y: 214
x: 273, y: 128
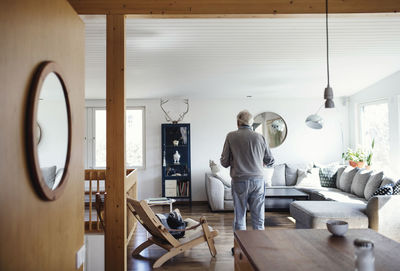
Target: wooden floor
x: 199, y: 258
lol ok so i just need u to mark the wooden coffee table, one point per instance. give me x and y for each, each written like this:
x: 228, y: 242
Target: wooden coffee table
x: 310, y: 249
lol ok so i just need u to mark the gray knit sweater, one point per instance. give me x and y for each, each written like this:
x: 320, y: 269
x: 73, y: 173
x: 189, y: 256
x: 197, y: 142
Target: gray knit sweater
x: 246, y: 151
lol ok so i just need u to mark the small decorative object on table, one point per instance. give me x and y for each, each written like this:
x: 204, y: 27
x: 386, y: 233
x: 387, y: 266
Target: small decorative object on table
x: 337, y: 227
x: 164, y: 163
x: 364, y: 255
x: 177, y: 156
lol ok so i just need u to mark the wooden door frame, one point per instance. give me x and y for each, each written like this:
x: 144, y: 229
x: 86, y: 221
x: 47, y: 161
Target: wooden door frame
x: 117, y: 11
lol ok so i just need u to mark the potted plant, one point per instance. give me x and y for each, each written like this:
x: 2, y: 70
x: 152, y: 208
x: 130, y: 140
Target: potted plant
x: 370, y: 153
x: 356, y: 158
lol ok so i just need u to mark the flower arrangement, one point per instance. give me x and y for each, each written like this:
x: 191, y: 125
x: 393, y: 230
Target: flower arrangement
x: 356, y: 157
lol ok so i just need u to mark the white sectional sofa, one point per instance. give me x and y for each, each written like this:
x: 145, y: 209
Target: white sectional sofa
x: 351, y: 200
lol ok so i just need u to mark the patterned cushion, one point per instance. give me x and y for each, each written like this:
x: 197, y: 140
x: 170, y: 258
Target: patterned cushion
x: 327, y: 176
x: 387, y: 180
x: 396, y: 188
x: 384, y: 190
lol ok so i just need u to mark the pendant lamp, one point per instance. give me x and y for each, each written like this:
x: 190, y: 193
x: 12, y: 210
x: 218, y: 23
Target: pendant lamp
x: 315, y: 121
x: 328, y: 94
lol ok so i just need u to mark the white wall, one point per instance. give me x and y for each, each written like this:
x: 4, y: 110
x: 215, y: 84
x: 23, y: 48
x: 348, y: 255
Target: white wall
x: 212, y: 119
x: 389, y: 89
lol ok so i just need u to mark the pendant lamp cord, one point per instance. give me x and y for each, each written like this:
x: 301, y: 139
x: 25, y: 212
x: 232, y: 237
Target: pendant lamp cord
x: 327, y: 39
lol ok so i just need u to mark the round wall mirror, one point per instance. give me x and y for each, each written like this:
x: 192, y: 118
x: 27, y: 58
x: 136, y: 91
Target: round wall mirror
x: 48, y: 143
x: 272, y: 126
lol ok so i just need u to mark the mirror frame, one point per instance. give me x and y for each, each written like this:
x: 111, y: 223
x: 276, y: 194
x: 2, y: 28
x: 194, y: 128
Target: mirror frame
x: 44, y: 69
x: 287, y: 130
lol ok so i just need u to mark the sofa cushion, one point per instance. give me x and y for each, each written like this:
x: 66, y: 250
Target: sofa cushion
x: 359, y: 182
x: 278, y: 178
x: 315, y: 214
x: 221, y: 173
x: 396, y: 188
x: 373, y: 184
x: 224, y: 176
x: 291, y: 175
x: 386, y: 180
x: 328, y: 175
x: 346, y: 179
x: 268, y: 173
x: 386, y: 190
x: 338, y: 175
x: 308, y: 178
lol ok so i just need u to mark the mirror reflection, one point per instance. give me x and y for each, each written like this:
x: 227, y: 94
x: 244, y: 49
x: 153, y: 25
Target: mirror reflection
x: 52, y: 144
x: 272, y: 126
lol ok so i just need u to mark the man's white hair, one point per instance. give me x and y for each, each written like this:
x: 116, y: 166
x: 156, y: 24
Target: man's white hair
x: 245, y: 118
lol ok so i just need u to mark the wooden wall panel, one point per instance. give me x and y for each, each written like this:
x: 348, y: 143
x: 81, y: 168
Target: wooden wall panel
x: 37, y: 234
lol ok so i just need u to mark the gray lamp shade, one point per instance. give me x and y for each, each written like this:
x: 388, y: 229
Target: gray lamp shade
x: 329, y: 103
x: 328, y: 96
x: 315, y: 121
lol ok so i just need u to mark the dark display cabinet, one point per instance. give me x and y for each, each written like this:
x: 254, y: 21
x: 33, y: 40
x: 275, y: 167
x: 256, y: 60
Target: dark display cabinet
x: 175, y: 155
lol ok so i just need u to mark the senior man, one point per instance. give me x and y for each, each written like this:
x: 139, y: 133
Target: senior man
x: 246, y: 151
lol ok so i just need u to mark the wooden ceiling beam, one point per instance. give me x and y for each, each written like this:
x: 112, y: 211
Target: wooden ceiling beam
x: 220, y: 8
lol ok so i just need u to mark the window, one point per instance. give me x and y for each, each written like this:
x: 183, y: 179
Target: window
x: 96, y: 137
x: 375, y: 125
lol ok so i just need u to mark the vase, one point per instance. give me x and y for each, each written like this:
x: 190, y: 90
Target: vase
x: 352, y: 163
x: 360, y: 164
x: 176, y: 156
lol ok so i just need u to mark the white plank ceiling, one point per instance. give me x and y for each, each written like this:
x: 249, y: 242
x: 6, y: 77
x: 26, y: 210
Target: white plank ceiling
x: 275, y: 57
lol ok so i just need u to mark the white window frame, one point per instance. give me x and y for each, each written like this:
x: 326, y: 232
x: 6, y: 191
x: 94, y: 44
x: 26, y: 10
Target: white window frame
x: 360, y: 122
x: 90, y: 140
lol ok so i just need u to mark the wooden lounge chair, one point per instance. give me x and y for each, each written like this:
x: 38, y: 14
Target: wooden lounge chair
x: 100, y: 206
x: 161, y: 236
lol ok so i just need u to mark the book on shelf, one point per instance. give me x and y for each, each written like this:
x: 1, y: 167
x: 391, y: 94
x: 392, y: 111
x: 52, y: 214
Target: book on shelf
x: 182, y: 189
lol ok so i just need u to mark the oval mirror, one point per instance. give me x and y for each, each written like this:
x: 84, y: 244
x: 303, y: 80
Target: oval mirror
x: 48, y: 131
x: 272, y: 126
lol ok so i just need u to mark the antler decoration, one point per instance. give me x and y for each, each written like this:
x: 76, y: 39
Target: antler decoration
x: 181, y: 115
x: 167, y: 117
